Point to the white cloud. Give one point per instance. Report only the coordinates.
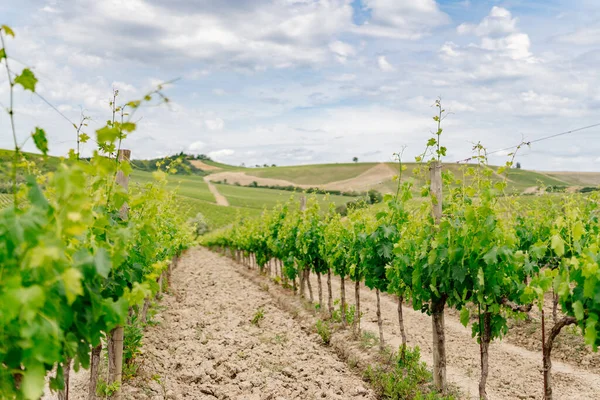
(498, 22)
(216, 124)
(384, 65)
(342, 50)
(219, 154)
(402, 19)
(589, 36)
(219, 92)
(197, 146)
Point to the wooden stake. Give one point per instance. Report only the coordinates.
(115, 340)
(438, 305)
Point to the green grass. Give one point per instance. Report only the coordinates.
(317, 174)
(259, 198)
(217, 216)
(521, 178)
(224, 167)
(192, 186)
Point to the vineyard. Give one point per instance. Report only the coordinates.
(97, 271)
(81, 256)
(470, 248)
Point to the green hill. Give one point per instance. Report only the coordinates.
(195, 195)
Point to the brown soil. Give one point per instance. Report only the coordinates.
(205, 346)
(219, 198)
(372, 177)
(515, 372)
(204, 167)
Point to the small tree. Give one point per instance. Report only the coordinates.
(355, 159)
(518, 165)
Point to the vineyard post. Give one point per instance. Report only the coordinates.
(437, 305)
(115, 342)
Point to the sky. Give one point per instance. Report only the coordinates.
(314, 81)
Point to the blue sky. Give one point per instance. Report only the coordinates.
(310, 81)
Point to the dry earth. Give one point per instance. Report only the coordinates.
(219, 198)
(205, 346)
(371, 177)
(203, 166)
(515, 372)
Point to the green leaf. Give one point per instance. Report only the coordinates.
(102, 261)
(491, 256)
(27, 79)
(72, 281)
(481, 277)
(107, 134)
(33, 382)
(2, 54)
(35, 194)
(83, 137)
(578, 309)
(464, 316)
(40, 140)
(558, 245)
(7, 30)
(578, 230)
(128, 127)
(125, 167)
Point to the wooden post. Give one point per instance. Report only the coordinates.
(438, 305)
(115, 341)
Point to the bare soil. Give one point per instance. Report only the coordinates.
(219, 198)
(203, 166)
(372, 177)
(515, 372)
(206, 347)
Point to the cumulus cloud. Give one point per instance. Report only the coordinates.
(298, 80)
(342, 50)
(384, 64)
(400, 19)
(221, 154)
(498, 22)
(197, 146)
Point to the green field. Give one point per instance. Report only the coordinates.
(194, 195)
(259, 198)
(312, 174)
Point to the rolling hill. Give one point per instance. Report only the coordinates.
(238, 184)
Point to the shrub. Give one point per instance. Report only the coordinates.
(199, 224)
(324, 331)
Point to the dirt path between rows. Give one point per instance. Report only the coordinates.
(515, 373)
(219, 198)
(206, 347)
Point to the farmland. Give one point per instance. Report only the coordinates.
(184, 277)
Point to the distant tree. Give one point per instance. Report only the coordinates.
(355, 159)
(266, 165)
(273, 165)
(518, 165)
(242, 164)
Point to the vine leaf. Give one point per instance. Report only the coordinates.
(33, 382)
(558, 245)
(107, 134)
(7, 30)
(464, 316)
(27, 79)
(72, 281)
(2, 54)
(40, 140)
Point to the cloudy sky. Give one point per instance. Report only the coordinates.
(307, 81)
